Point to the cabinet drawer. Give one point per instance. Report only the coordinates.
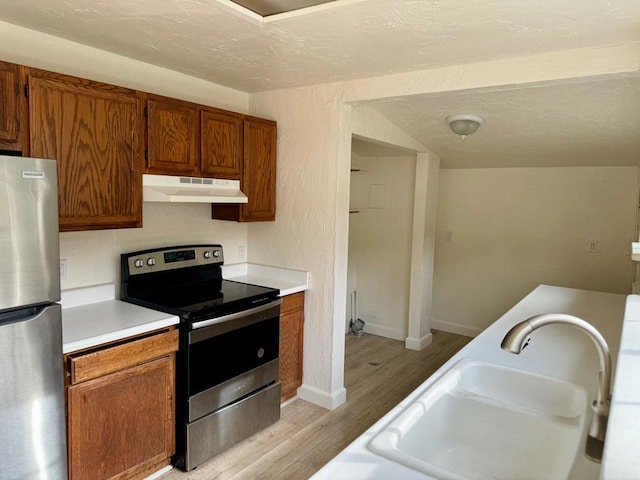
(88, 365)
(292, 302)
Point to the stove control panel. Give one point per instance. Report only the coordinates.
(163, 259)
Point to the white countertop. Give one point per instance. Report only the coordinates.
(91, 316)
(621, 457)
(286, 280)
(556, 350)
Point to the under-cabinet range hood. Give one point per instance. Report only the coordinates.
(165, 188)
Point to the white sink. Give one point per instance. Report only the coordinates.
(485, 421)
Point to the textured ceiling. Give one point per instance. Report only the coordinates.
(590, 123)
(338, 41)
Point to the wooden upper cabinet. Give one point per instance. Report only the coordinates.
(92, 130)
(220, 143)
(192, 140)
(259, 173)
(171, 136)
(9, 107)
(258, 181)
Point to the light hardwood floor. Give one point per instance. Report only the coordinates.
(379, 373)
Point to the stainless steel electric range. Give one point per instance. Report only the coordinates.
(227, 364)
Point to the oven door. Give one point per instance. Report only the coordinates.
(230, 357)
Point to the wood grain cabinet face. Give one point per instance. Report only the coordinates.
(121, 404)
(9, 107)
(171, 137)
(258, 181)
(121, 423)
(220, 143)
(291, 340)
(92, 130)
(259, 177)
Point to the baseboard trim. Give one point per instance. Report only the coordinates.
(456, 328)
(159, 473)
(288, 401)
(383, 331)
(330, 401)
(418, 343)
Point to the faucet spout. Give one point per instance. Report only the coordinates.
(518, 337)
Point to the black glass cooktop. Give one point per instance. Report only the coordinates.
(205, 299)
(186, 280)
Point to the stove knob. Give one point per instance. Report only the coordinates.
(151, 261)
(207, 254)
(216, 253)
(138, 263)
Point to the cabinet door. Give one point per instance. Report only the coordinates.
(92, 130)
(122, 425)
(291, 340)
(259, 170)
(220, 143)
(9, 107)
(171, 137)
(258, 179)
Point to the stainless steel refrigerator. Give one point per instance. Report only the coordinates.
(32, 413)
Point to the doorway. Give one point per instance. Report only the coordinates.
(380, 238)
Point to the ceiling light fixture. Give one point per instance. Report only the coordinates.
(464, 124)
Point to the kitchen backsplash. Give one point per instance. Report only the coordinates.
(94, 257)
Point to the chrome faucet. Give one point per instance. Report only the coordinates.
(518, 337)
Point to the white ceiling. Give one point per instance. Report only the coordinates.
(590, 123)
(338, 41)
(347, 39)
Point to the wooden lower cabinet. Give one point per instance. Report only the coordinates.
(121, 424)
(291, 340)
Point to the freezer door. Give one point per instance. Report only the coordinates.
(32, 418)
(29, 247)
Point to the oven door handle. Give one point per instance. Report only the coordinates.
(235, 316)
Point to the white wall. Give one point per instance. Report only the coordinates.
(515, 228)
(380, 237)
(310, 233)
(304, 234)
(315, 125)
(423, 250)
(93, 257)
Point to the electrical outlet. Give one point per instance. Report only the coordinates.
(242, 253)
(448, 236)
(63, 269)
(592, 246)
